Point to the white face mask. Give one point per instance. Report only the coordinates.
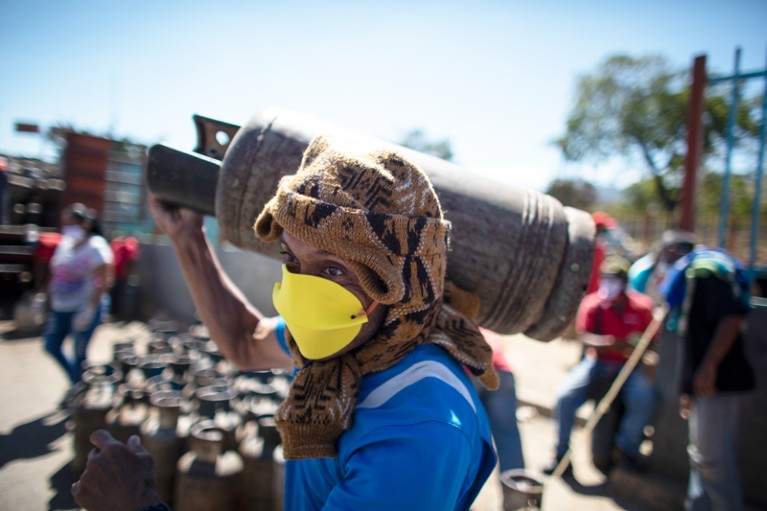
(610, 288)
(74, 231)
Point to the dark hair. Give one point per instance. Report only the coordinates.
(96, 226)
(681, 239)
(82, 213)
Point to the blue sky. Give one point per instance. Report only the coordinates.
(495, 78)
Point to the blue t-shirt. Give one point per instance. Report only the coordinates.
(420, 440)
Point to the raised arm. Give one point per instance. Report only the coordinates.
(242, 333)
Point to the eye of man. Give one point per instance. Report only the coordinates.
(334, 271)
(287, 257)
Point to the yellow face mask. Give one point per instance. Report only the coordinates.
(323, 317)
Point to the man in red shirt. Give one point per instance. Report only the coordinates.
(610, 321)
(126, 251)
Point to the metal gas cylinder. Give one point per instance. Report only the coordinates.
(278, 488)
(122, 347)
(202, 377)
(158, 346)
(160, 438)
(140, 369)
(127, 361)
(91, 409)
(150, 366)
(526, 256)
(257, 451)
(128, 413)
(216, 404)
(207, 477)
(522, 491)
(180, 366)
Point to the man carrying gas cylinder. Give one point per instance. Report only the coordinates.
(381, 413)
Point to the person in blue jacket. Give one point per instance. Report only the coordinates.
(381, 412)
(647, 272)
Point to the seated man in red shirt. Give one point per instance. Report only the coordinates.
(610, 321)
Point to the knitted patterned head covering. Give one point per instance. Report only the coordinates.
(380, 214)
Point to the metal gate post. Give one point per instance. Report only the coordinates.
(694, 142)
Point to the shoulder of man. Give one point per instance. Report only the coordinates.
(427, 375)
(590, 301)
(721, 266)
(640, 301)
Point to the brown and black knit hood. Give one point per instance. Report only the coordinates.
(379, 213)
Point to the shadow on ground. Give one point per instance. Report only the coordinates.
(38, 438)
(32, 439)
(61, 483)
(18, 335)
(602, 490)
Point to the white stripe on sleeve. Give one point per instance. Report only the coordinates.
(414, 374)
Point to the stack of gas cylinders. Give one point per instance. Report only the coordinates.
(209, 427)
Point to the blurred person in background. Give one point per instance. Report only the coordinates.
(501, 407)
(610, 322)
(708, 295)
(603, 223)
(78, 291)
(126, 251)
(647, 272)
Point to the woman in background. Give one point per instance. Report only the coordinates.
(80, 279)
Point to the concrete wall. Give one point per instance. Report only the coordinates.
(163, 292)
(669, 457)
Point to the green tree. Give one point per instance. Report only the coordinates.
(576, 193)
(740, 199)
(416, 139)
(636, 109)
(640, 197)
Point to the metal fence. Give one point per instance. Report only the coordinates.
(642, 232)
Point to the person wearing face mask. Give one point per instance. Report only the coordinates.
(609, 321)
(646, 273)
(80, 278)
(381, 412)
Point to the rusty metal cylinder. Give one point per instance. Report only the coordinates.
(127, 415)
(216, 404)
(122, 347)
(522, 491)
(526, 256)
(91, 410)
(207, 477)
(160, 438)
(257, 451)
(279, 479)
